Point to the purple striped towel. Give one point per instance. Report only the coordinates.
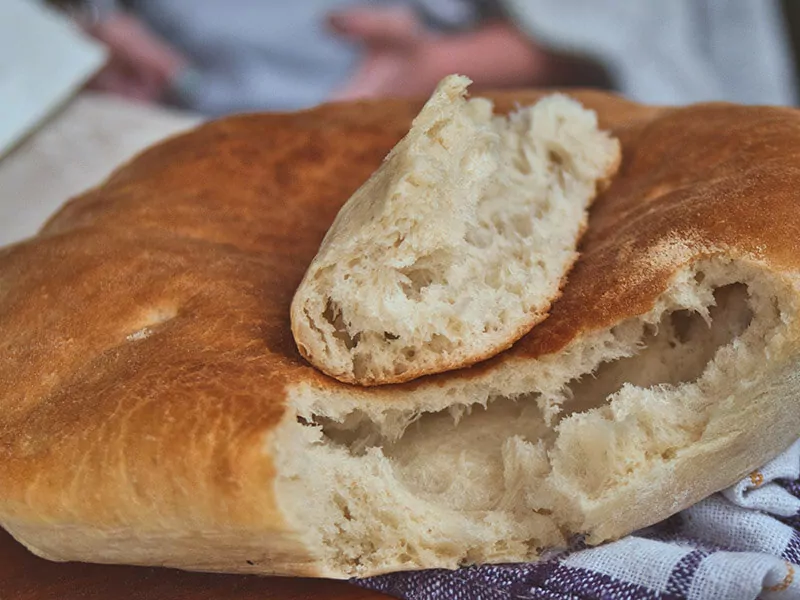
(742, 543)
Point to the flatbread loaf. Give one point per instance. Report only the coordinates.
(458, 244)
(154, 408)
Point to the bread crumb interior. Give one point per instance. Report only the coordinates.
(508, 467)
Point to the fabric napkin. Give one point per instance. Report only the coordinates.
(742, 543)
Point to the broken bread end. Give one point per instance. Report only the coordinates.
(458, 244)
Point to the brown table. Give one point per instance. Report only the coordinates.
(24, 576)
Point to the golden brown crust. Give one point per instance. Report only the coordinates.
(112, 429)
(705, 179)
(92, 413)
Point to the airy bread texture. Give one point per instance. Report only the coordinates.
(154, 409)
(585, 442)
(457, 245)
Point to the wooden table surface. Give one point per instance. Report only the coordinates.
(24, 576)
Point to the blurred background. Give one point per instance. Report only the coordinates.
(86, 83)
(222, 56)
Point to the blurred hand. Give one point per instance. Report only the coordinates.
(402, 58)
(398, 57)
(140, 66)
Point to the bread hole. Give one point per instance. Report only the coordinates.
(499, 225)
(333, 315)
(555, 157)
(399, 368)
(440, 344)
(523, 225)
(480, 237)
(676, 351)
(515, 288)
(341, 503)
(360, 366)
(466, 473)
(357, 432)
(390, 336)
(313, 326)
(434, 133)
(493, 277)
(683, 323)
(418, 280)
(409, 353)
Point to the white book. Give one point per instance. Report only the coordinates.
(44, 60)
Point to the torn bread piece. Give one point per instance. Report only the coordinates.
(458, 244)
(624, 423)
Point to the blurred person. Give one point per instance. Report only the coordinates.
(659, 52)
(238, 55)
(407, 50)
(223, 56)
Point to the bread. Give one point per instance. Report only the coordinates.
(154, 409)
(458, 243)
